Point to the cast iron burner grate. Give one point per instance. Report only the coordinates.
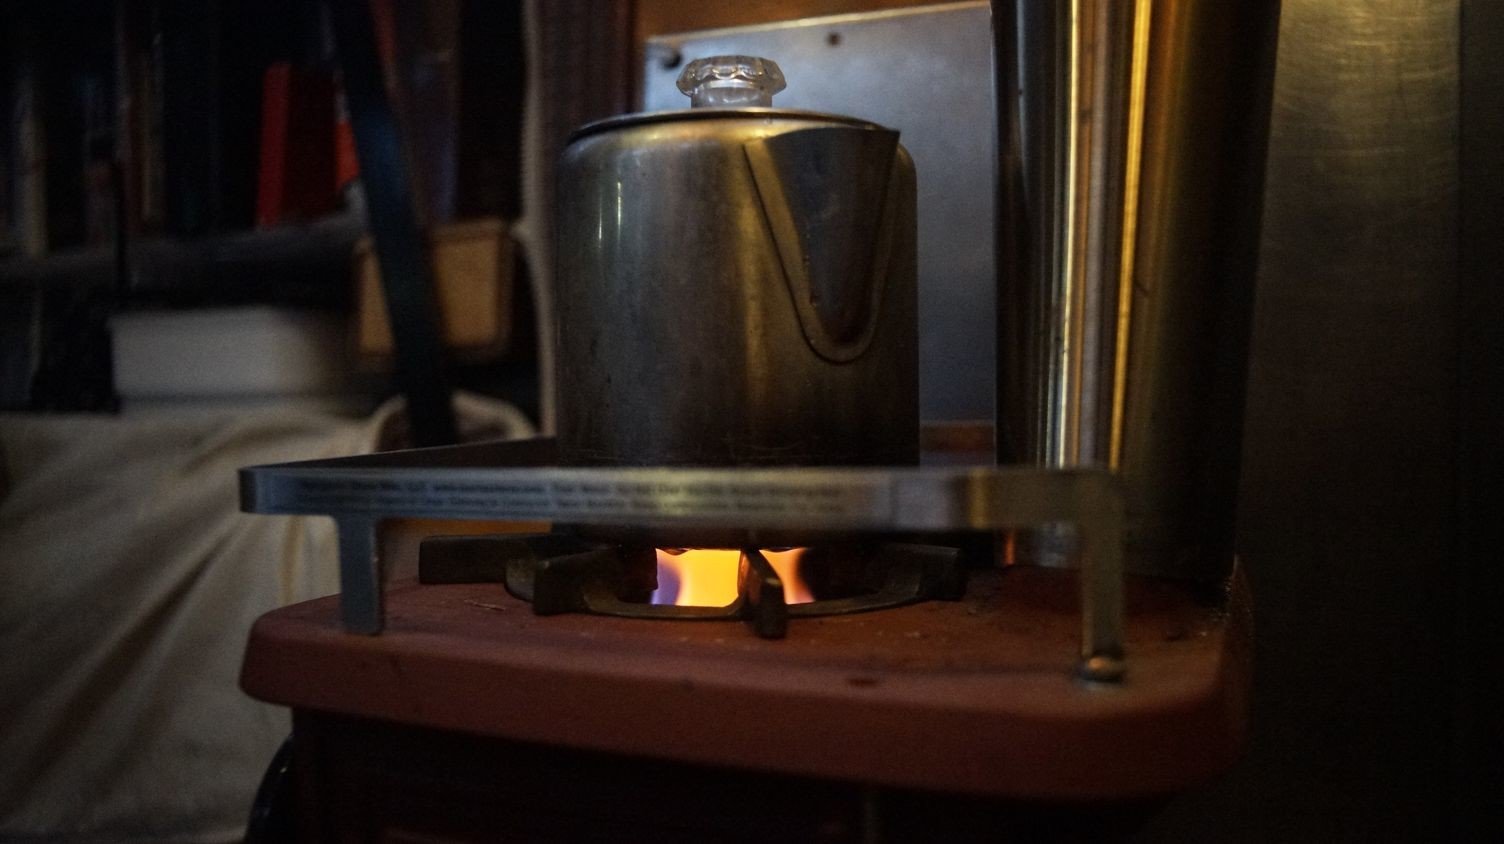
(559, 573)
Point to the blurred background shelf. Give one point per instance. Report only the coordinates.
(163, 155)
(300, 264)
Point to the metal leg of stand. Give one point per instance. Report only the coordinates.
(1092, 500)
(360, 598)
(1102, 586)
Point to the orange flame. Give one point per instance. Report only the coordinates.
(786, 563)
(707, 577)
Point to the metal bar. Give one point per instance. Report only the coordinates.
(405, 272)
(926, 499)
(360, 598)
(762, 596)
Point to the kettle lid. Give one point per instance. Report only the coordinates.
(731, 82)
(721, 87)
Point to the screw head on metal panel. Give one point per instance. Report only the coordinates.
(731, 82)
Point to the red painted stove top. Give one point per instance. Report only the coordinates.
(975, 696)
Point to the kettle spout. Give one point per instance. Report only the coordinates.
(825, 194)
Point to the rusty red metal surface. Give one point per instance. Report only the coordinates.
(975, 696)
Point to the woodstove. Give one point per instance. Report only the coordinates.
(526, 686)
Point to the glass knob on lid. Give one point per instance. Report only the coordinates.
(731, 82)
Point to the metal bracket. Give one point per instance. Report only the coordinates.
(504, 482)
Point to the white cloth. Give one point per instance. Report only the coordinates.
(128, 582)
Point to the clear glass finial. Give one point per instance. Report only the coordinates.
(731, 82)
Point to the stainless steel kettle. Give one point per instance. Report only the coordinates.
(736, 284)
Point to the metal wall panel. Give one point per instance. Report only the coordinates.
(1478, 731)
(1348, 516)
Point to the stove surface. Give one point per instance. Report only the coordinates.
(976, 696)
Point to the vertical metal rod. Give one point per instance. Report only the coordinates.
(1102, 583)
(360, 598)
(400, 252)
(1130, 135)
(1138, 73)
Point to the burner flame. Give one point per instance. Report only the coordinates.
(707, 577)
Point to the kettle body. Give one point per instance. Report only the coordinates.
(736, 287)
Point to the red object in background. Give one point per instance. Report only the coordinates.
(297, 179)
(346, 165)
